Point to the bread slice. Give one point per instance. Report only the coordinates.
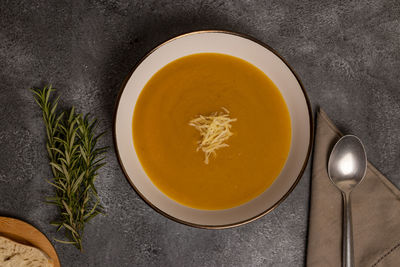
(13, 254)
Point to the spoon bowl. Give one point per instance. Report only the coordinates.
(347, 163)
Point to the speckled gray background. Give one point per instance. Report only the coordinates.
(347, 53)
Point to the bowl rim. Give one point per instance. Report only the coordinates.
(225, 226)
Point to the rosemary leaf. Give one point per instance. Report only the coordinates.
(74, 160)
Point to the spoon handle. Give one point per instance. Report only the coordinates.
(347, 253)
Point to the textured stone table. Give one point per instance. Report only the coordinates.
(346, 54)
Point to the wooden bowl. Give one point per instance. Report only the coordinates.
(26, 234)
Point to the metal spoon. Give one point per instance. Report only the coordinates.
(346, 169)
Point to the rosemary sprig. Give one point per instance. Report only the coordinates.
(74, 160)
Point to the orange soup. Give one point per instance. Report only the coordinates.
(167, 146)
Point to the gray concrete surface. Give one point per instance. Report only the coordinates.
(347, 53)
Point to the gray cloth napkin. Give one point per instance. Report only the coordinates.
(375, 210)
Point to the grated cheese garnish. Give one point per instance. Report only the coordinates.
(214, 130)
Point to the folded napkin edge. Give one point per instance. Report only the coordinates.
(370, 166)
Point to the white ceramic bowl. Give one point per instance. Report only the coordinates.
(266, 60)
